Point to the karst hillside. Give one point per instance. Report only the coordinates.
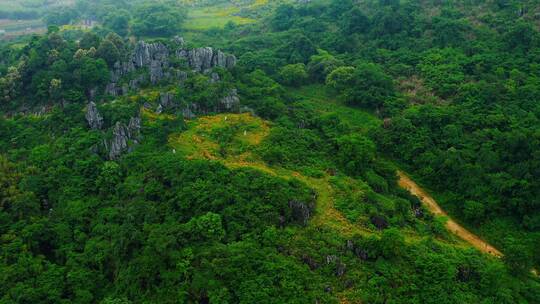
(269, 151)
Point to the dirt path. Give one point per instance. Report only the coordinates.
(407, 183)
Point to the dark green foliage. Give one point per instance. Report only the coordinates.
(293, 74)
(118, 21)
(89, 40)
(365, 85)
(61, 16)
(454, 83)
(355, 153)
(108, 52)
(157, 19)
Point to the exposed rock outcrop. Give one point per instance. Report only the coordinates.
(230, 103)
(306, 259)
(113, 89)
(189, 112)
(166, 100)
(301, 212)
(340, 267)
(93, 117)
(214, 77)
(123, 138)
(358, 251)
(155, 57)
(206, 58)
(120, 69)
(380, 222)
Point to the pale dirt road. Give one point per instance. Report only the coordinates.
(408, 184)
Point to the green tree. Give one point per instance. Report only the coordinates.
(282, 19)
(89, 40)
(293, 74)
(392, 243)
(321, 65)
(118, 22)
(109, 178)
(92, 73)
(517, 257)
(207, 227)
(341, 78)
(61, 16)
(355, 153)
(473, 211)
(371, 87)
(158, 19)
(355, 21)
(108, 52)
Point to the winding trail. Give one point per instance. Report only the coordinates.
(407, 183)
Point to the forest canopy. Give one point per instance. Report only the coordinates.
(254, 152)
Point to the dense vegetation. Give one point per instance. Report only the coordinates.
(294, 200)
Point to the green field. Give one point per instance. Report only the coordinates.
(322, 99)
(217, 16)
(212, 17)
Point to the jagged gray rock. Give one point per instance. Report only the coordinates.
(120, 69)
(112, 89)
(155, 57)
(93, 93)
(206, 58)
(134, 84)
(93, 117)
(124, 137)
(189, 111)
(179, 40)
(301, 212)
(181, 76)
(231, 102)
(200, 59)
(166, 99)
(214, 77)
(134, 128)
(146, 53)
(357, 250)
(340, 267)
(380, 222)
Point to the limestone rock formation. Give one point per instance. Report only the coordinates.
(124, 137)
(230, 103)
(358, 251)
(93, 117)
(156, 57)
(340, 267)
(206, 58)
(301, 212)
(166, 99)
(146, 53)
(380, 222)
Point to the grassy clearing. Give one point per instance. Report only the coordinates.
(200, 142)
(231, 136)
(232, 139)
(152, 116)
(205, 18)
(217, 16)
(325, 101)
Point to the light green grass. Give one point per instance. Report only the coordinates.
(217, 16)
(205, 18)
(325, 101)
